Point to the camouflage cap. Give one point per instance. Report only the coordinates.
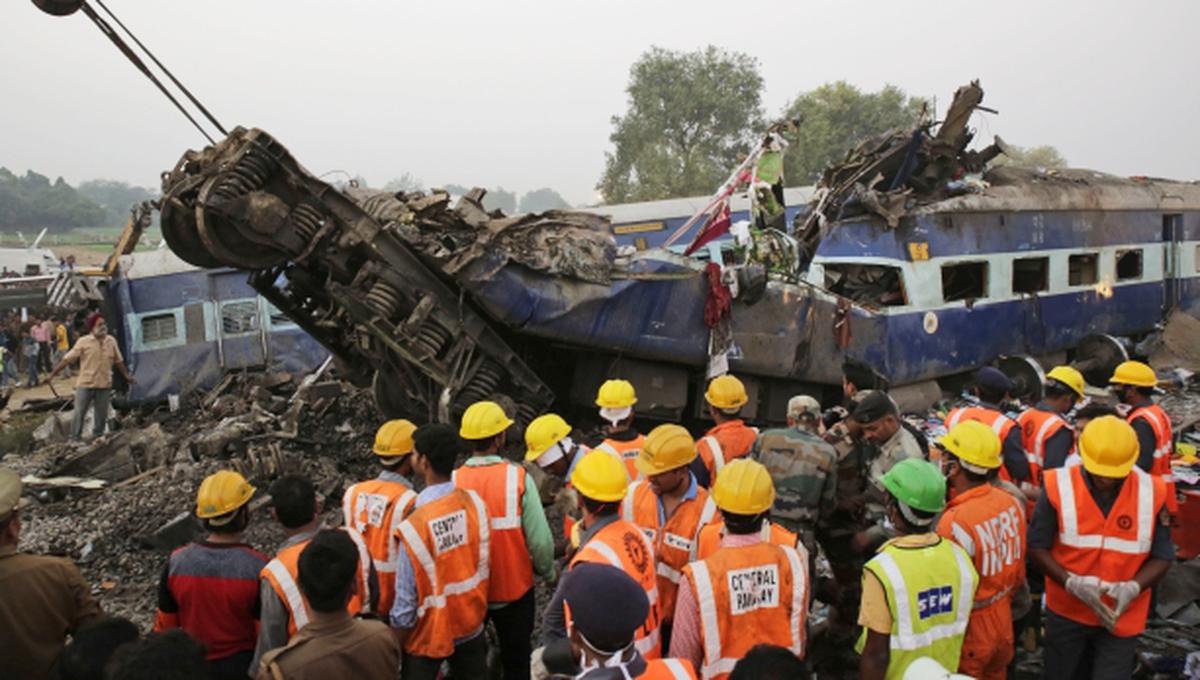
(803, 405)
(10, 493)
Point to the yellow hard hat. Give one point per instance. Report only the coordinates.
(394, 439)
(544, 432)
(973, 443)
(616, 394)
(1134, 373)
(726, 393)
(1069, 377)
(744, 487)
(483, 419)
(1108, 447)
(600, 476)
(221, 493)
(667, 447)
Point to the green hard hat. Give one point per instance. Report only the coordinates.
(918, 484)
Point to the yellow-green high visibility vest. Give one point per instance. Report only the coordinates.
(930, 591)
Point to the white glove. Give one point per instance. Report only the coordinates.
(1123, 592)
(1087, 589)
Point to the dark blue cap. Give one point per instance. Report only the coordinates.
(607, 605)
(993, 380)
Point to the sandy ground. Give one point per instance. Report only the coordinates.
(64, 386)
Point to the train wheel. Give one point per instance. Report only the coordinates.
(1026, 374)
(1097, 357)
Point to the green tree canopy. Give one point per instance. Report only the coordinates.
(116, 197)
(499, 199)
(1044, 156)
(33, 202)
(540, 200)
(838, 117)
(691, 115)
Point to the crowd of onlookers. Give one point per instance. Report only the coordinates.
(30, 347)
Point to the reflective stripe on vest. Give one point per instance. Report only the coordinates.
(437, 598)
(676, 668)
(608, 448)
(353, 507)
(905, 637)
(1000, 423)
(1162, 439)
(718, 455)
(715, 663)
(511, 519)
(289, 590)
(648, 644)
(406, 501)
(291, 593)
(1069, 516)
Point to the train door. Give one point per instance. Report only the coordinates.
(241, 331)
(1172, 233)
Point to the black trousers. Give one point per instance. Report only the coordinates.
(1074, 651)
(231, 667)
(469, 661)
(514, 627)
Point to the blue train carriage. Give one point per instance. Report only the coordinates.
(1035, 266)
(182, 327)
(649, 224)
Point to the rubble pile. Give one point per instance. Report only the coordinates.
(119, 504)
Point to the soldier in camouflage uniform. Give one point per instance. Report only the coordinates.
(804, 469)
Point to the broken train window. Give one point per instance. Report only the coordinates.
(1129, 264)
(1030, 275)
(867, 284)
(239, 317)
(964, 281)
(159, 328)
(1083, 269)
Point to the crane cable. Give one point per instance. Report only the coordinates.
(133, 58)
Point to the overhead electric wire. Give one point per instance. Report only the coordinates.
(141, 66)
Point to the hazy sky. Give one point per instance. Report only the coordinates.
(520, 94)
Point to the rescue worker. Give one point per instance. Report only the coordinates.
(670, 507)
(879, 418)
(918, 590)
(1134, 382)
(804, 468)
(42, 599)
(520, 542)
(333, 644)
(375, 508)
(616, 399)
(990, 525)
(1102, 538)
(549, 446)
(601, 483)
(210, 588)
(607, 607)
(730, 438)
(442, 574)
(1045, 432)
(296, 507)
(991, 389)
(749, 591)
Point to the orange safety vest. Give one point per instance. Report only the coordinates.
(1164, 448)
(283, 575)
(668, 669)
(989, 524)
(624, 546)
(1002, 425)
(674, 543)
(627, 452)
(749, 595)
(724, 444)
(711, 535)
(502, 486)
(1037, 426)
(447, 543)
(375, 508)
(1111, 548)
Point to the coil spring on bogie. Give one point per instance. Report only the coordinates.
(249, 173)
(307, 222)
(384, 298)
(525, 414)
(482, 385)
(431, 338)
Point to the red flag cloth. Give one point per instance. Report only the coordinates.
(716, 225)
(719, 302)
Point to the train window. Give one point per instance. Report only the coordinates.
(1082, 269)
(867, 284)
(1030, 275)
(239, 317)
(1129, 264)
(159, 327)
(964, 281)
(1197, 258)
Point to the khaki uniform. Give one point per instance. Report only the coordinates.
(339, 647)
(42, 600)
(804, 469)
(902, 445)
